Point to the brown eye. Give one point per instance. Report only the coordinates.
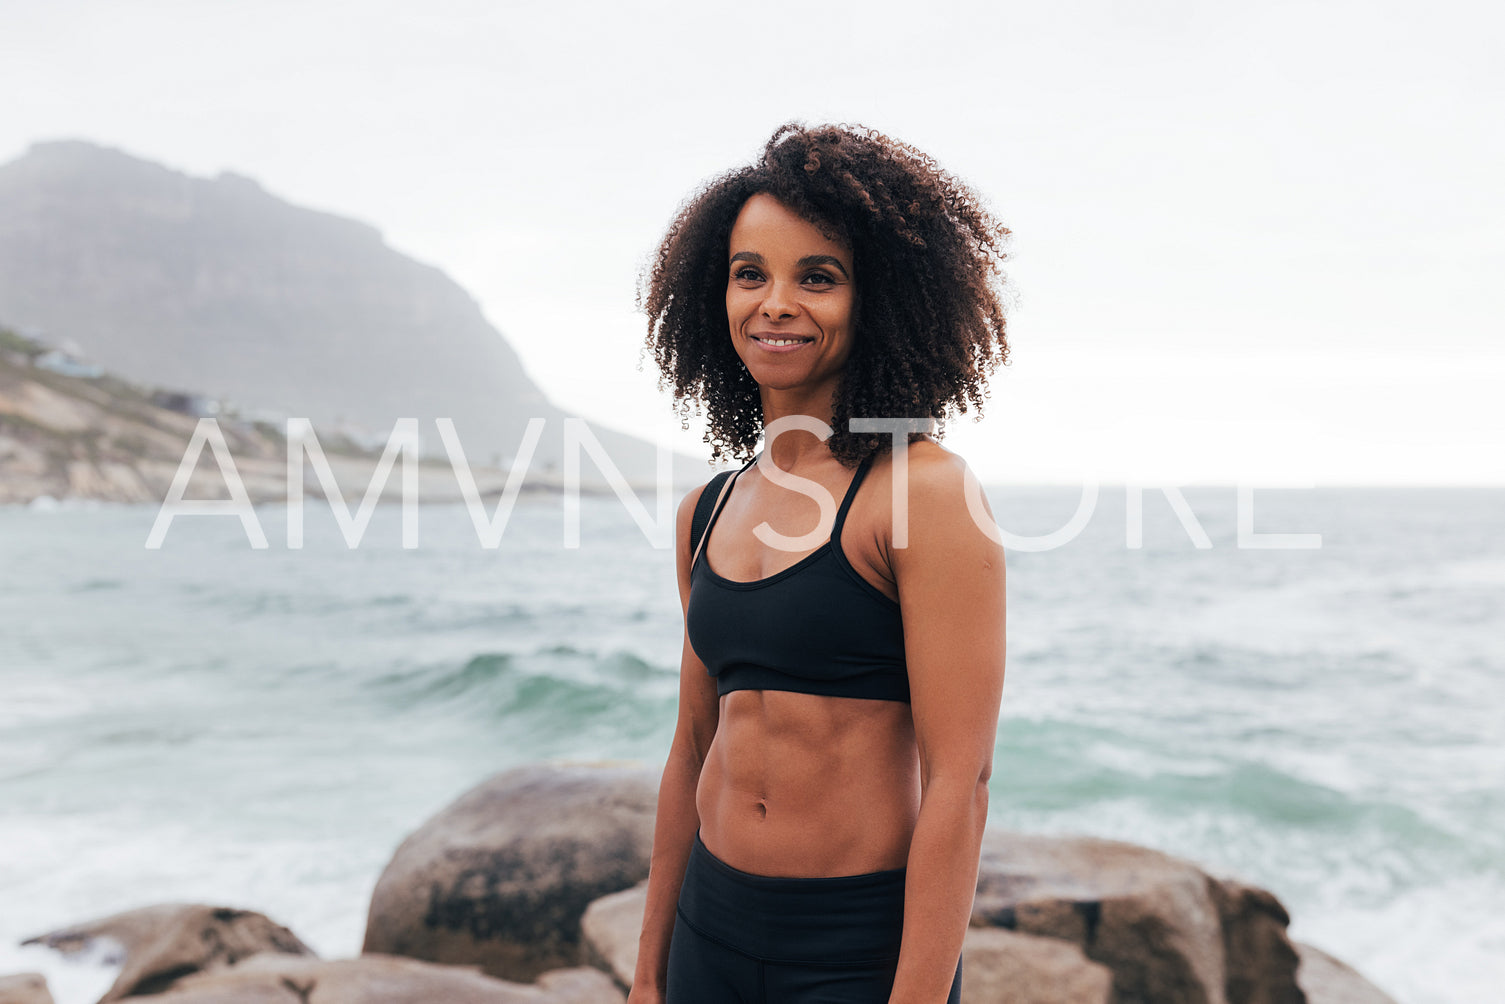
(747, 274)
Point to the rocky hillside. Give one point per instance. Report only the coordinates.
(218, 286)
(101, 437)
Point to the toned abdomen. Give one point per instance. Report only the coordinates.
(805, 785)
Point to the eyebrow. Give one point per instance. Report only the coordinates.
(805, 262)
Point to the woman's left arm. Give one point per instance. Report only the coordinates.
(951, 593)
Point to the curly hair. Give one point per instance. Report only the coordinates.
(926, 257)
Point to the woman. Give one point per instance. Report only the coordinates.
(822, 808)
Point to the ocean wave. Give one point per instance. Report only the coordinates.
(561, 681)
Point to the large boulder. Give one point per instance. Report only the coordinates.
(379, 979)
(1170, 933)
(159, 945)
(580, 985)
(501, 877)
(1005, 967)
(24, 988)
(1259, 959)
(1327, 980)
(611, 928)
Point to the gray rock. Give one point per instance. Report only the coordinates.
(501, 877)
(1158, 922)
(611, 928)
(1259, 959)
(580, 985)
(1005, 967)
(163, 944)
(24, 988)
(1327, 980)
(377, 979)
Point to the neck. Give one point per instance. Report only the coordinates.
(794, 447)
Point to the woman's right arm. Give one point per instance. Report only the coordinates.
(678, 818)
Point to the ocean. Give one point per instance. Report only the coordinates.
(260, 728)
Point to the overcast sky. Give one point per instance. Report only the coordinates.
(1254, 243)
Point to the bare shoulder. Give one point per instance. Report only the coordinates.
(937, 480)
(933, 468)
(945, 510)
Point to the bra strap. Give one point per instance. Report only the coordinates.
(701, 522)
(709, 497)
(846, 503)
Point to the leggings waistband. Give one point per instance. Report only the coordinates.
(844, 919)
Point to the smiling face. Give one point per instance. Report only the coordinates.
(790, 298)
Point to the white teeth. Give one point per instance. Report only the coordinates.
(781, 341)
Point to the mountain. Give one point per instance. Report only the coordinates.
(217, 287)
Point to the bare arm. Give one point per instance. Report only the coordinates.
(952, 595)
(678, 818)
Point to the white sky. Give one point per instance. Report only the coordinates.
(1253, 242)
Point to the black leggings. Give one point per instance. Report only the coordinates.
(755, 939)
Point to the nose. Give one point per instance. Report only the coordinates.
(777, 303)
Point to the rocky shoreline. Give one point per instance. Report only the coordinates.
(529, 889)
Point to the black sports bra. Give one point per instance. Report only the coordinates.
(817, 627)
